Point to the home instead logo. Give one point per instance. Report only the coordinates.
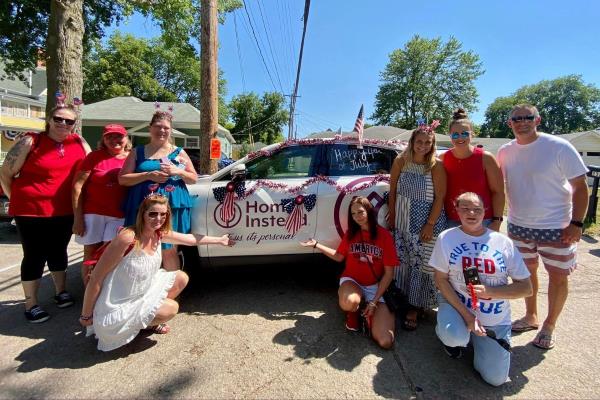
(375, 198)
(258, 215)
(237, 216)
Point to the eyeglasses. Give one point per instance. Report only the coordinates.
(468, 210)
(463, 135)
(64, 121)
(525, 118)
(154, 214)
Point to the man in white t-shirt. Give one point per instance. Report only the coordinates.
(473, 312)
(548, 197)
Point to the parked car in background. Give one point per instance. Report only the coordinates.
(317, 176)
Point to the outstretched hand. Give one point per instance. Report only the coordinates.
(308, 243)
(225, 240)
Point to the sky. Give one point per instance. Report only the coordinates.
(348, 43)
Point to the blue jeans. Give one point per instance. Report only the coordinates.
(490, 360)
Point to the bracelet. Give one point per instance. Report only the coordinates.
(498, 219)
(315, 245)
(372, 304)
(578, 224)
(86, 318)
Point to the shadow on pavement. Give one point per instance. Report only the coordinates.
(61, 341)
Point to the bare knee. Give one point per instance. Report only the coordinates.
(350, 303)
(182, 279)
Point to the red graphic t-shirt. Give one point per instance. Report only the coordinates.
(102, 193)
(360, 250)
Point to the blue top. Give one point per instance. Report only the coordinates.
(174, 188)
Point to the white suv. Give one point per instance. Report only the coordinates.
(258, 211)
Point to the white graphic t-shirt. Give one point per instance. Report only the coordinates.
(496, 259)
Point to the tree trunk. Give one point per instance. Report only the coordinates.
(209, 84)
(64, 51)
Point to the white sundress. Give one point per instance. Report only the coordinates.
(129, 299)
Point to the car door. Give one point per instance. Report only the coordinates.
(259, 220)
(352, 168)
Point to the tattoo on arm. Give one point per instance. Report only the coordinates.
(16, 152)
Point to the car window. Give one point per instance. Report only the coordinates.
(289, 162)
(347, 159)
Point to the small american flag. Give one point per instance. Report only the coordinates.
(359, 126)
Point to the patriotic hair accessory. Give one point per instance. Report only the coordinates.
(423, 127)
(153, 187)
(169, 110)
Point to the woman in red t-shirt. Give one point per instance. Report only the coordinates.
(36, 176)
(471, 169)
(98, 198)
(370, 256)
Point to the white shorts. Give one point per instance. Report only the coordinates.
(368, 291)
(99, 228)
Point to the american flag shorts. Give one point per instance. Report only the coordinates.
(557, 256)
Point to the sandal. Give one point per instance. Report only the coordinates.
(410, 324)
(160, 329)
(520, 325)
(544, 340)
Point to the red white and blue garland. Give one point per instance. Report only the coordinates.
(225, 195)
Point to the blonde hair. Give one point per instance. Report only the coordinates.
(408, 153)
(468, 196)
(148, 202)
(102, 146)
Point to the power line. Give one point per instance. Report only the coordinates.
(239, 51)
(258, 46)
(254, 126)
(267, 34)
(295, 93)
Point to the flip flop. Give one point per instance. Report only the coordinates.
(160, 329)
(410, 324)
(521, 325)
(544, 340)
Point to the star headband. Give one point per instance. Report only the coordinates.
(423, 127)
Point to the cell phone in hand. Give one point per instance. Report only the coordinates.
(471, 275)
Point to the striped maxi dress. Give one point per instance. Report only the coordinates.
(414, 199)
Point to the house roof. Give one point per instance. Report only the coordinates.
(131, 111)
(571, 136)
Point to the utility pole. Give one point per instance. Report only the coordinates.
(294, 95)
(209, 84)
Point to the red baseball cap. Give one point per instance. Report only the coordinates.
(114, 128)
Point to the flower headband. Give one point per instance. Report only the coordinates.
(423, 127)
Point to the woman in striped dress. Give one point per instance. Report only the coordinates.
(416, 204)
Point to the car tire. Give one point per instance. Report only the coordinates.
(190, 261)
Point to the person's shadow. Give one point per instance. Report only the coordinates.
(61, 341)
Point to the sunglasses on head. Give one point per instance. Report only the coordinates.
(463, 135)
(154, 214)
(65, 121)
(525, 118)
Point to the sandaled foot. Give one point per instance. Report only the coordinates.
(522, 325)
(410, 321)
(544, 340)
(160, 329)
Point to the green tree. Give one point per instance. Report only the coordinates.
(263, 118)
(566, 104)
(427, 78)
(147, 69)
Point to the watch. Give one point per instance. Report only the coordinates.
(498, 219)
(578, 224)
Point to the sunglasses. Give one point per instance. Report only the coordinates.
(65, 121)
(525, 118)
(463, 135)
(154, 214)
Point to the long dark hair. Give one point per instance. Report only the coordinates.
(353, 227)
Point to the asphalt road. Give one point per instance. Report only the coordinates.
(276, 332)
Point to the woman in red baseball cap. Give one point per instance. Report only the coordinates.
(97, 196)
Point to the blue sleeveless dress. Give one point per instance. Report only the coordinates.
(174, 189)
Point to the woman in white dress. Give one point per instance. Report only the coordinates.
(128, 291)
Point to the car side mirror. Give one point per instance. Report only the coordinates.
(238, 173)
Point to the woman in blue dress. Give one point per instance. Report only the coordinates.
(163, 168)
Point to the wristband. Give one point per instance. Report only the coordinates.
(498, 219)
(315, 245)
(85, 318)
(578, 224)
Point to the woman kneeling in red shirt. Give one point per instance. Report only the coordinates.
(370, 256)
